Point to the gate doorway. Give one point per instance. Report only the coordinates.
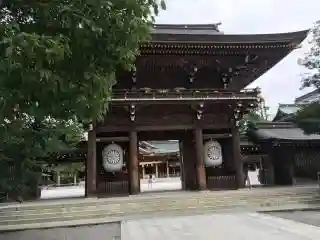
(160, 166)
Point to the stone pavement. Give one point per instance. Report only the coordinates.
(110, 231)
(305, 216)
(219, 226)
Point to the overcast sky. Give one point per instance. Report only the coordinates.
(280, 84)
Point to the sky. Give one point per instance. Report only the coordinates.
(282, 83)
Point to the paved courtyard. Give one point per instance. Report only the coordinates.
(109, 231)
(308, 217)
(229, 226)
(219, 226)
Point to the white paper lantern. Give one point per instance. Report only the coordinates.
(112, 158)
(212, 154)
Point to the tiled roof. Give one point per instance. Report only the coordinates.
(289, 108)
(281, 131)
(172, 146)
(210, 33)
(286, 111)
(301, 98)
(189, 29)
(159, 147)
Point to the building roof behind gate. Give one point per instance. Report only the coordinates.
(286, 131)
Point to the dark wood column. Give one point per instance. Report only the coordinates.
(237, 156)
(182, 167)
(189, 161)
(201, 173)
(283, 162)
(134, 181)
(91, 166)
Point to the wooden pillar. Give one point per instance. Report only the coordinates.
(182, 165)
(75, 181)
(157, 170)
(201, 174)
(143, 172)
(283, 162)
(91, 166)
(134, 181)
(267, 171)
(237, 156)
(58, 178)
(188, 159)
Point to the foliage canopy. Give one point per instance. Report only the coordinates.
(58, 62)
(59, 58)
(308, 118)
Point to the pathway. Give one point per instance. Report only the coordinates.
(231, 226)
(219, 226)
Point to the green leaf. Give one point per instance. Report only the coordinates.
(163, 5)
(308, 118)
(58, 64)
(312, 60)
(8, 51)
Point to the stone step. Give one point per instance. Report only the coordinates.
(97, 202)
(104, 220)
(148, 205)
(144, 213)
(156, 204)
(124, 208)
(242, 192)
(151, 199)
(163, 204)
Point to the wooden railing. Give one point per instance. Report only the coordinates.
(221, 182)
(182, 94)
(117, 187)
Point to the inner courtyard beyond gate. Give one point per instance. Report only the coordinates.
(204, 157)
(188, 85)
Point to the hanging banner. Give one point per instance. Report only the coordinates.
(112, 158)
(212, 153)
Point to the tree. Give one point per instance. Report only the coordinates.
(59, 58)
(58, 62)
(308, 118)
(255, 115)
(69, 171)
(26, 149)
(312, 60)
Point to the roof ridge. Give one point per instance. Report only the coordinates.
(275, 125)
(213, 26)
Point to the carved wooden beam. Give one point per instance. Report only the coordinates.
(132, 111)
(134, 77)
(193, 73)
(200, 111)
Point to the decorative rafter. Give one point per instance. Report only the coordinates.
(132, 112)
(134, 76)
(200, 111)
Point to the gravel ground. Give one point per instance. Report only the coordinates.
(111, 231)
(308, 217)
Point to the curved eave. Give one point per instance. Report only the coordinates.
(291, 37)
(279, 116)
(286, 112)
